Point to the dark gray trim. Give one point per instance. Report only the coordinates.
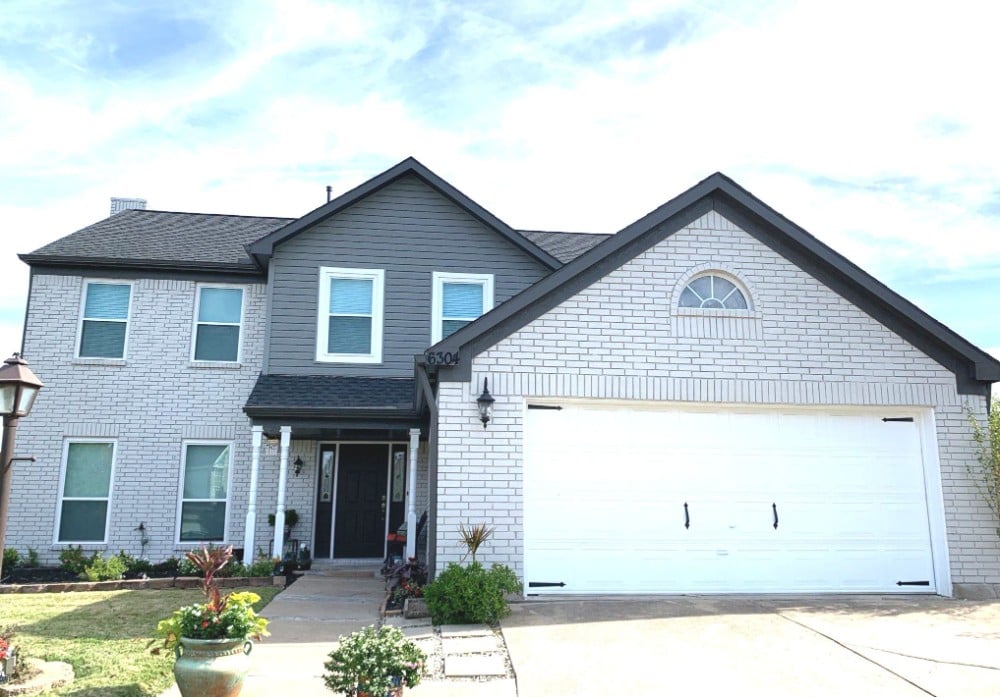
(424, 387)
(118, 268)
(347, 414)
(262, 249)
(27, 308)
(974, 369)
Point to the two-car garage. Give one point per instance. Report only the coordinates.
(643, 498)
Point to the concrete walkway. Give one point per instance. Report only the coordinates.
(308, 617)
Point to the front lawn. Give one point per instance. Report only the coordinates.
(103, 635)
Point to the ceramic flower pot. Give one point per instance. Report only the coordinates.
(212, 667)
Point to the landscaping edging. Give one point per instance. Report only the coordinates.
(141, 584)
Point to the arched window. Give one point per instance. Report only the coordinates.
(711, 292)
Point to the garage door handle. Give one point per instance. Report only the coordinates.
(687, 518)
(774, 509)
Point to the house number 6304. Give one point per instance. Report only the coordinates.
(441, 358)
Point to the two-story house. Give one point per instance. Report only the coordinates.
(710, 400)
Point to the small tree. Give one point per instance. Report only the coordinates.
(987, 440)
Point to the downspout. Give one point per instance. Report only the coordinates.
(432, 469)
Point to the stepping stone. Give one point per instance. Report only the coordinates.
(451, 630)
(403, 622)
(418, 632)
(474, 666)
(470, 644)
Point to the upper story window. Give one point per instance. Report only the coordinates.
(349, 325)
(88, 468)
(713, 292)
(204, 492)
(458, 298)
(104, 319)
(218, 316)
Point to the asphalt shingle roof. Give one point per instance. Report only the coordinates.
(564, 246)
(162, 238)
(331, 392)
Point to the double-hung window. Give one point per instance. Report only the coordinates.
(349, 323)
(204, 492)
(88, 470)
(104, 319)
(218, 316)
(458, 298)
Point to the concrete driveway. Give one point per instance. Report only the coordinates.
(843, 645)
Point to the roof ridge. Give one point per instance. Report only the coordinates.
(227, 215)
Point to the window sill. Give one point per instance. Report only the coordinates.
(364, 360)
(728, 314)
(100, 361)
(223, 365)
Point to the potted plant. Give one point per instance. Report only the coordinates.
(291, 518)
(212, 640)
(8, 654)
(374, 662)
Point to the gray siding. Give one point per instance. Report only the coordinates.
(409, 230)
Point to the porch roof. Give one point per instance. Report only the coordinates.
(331, 395)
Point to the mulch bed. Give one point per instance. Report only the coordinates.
(47, 580)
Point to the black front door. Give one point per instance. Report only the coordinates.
(359, 528)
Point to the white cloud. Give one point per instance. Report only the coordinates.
(870, 124)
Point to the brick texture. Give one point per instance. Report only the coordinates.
(624, 338)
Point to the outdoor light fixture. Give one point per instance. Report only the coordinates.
(485, 404)
(298, 465)
(18, 389)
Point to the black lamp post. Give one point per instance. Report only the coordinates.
(18, 389)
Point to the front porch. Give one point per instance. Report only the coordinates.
(346, 454)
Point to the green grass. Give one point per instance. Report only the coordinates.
(103, 634)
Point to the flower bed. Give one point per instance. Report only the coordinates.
(142, 584)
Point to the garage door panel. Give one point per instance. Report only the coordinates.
(605, 488)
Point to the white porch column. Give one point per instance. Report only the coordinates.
(411, 490)
(257, 433)
(279, 513)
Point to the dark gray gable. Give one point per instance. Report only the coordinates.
(262, 249)
(974, 369)
(144, 239)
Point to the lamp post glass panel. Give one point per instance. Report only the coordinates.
(18, 389)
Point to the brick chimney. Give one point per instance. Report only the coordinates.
(127, 204)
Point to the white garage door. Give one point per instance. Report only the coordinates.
(634, 500)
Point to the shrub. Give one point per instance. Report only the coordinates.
(185, 567)
(73, 560)
(31, 561)
(11, 558)
(987, 439)
(167, 567)
(264, 566)
(101, 569)
(375, 661)
(471, 594)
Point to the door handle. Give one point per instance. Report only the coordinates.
(774, 510)
(383, 504)
(687, 518)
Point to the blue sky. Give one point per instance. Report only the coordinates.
(871, 124)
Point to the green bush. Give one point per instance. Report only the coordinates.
(185, 567)
(101, 569)
(264, 566)
(11, 558)
(73, 560)
(471, 594)
(30, 561)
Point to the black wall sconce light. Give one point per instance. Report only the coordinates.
(298, 465)
(485, 404)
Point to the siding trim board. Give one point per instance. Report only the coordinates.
(262, 249)
(973, 368)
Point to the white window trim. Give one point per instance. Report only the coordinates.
(181, 499)
(62, 488)
(196, 323)
(377, 276)
(127, 320)
(439, 278)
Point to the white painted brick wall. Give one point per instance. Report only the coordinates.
(623, 338)
(150, 402)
